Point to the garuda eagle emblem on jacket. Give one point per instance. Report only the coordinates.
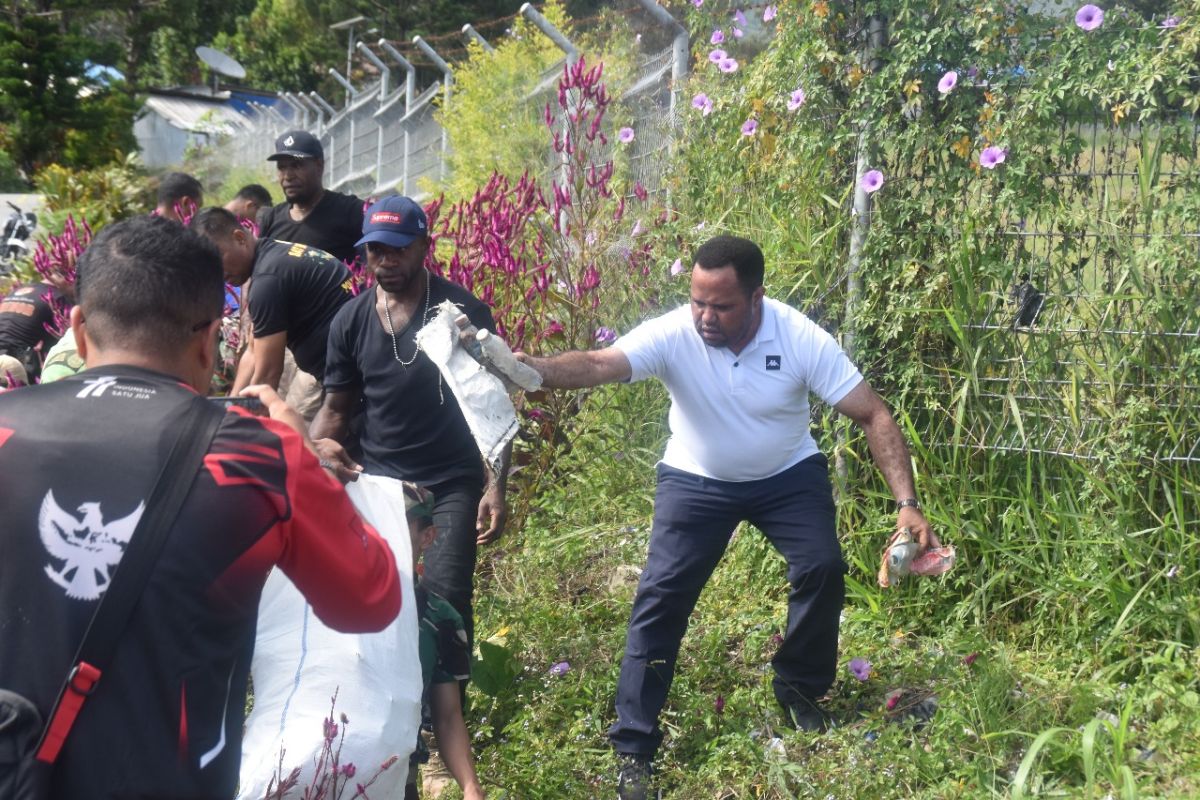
(88, 548)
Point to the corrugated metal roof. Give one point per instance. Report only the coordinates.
(196, 115)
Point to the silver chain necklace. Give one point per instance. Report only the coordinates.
(392, 330)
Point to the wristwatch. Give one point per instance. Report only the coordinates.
(908, 502)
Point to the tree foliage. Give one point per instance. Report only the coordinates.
(50, 110)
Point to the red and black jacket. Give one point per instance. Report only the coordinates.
(77, 459)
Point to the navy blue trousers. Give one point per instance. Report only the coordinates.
(694, 518)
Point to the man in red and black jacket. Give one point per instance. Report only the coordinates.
(78, 459)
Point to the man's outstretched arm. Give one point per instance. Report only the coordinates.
(580, 369)
(890, 453)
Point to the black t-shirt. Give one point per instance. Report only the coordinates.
(333, 226)
(24, 315)
(298, 289)
(78, 458)
(414, 429)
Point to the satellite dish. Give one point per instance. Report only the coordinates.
(220, 62)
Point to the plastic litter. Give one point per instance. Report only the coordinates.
(902, 556)
(299, 664)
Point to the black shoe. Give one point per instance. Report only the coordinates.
(633, 777)
(804, 714)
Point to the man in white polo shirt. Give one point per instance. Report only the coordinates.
(739, 368)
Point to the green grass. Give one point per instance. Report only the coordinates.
(1084, 684)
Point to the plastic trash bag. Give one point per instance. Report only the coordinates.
(299, 664)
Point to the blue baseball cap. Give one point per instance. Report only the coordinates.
(395, 221)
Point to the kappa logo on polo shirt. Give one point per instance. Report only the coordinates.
(774, 362)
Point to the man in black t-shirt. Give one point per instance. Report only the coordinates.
(310, 214)
(296, 292)
(412, 427)
(25, 318)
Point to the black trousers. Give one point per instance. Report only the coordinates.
(694, 518)
(450, 560)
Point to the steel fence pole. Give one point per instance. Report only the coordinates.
(410, 91)
(474, 36)
(385, 74)
(679, 51)
(447, 83)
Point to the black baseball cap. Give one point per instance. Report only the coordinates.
(297, 144)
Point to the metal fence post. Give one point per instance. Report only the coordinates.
(860, 220)
(351, 93)
(447, 82)
(554, 34)
(679, 51)
(385, 74)
(474, 36)
(572, 54)
(410, 91)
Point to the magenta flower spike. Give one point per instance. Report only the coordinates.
(992, 156)
(860, 668)
(948, 82)
(749, 127)
(1089, 17)
(719, 704)
(872, 181)
(796, 100)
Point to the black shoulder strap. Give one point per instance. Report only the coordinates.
(133, 572)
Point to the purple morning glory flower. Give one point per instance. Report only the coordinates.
(702, 102)
(1089, 17)
(737, 33)
(625, 135)
(717, 37)
(727, 65)
(697, 3)
(605, 336)
(749, 127)
(872, 181)
(860, 668)
(1169, 22)
(717, 56)
(739, 18)
(677, 267)
(991, 156)
(769, 13)
(561, 668)
(948, 82)
(796, 100)
(972, 72)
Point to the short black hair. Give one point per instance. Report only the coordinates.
(255, 193)
(147, 283)
(175, 186)
(734, 251)
(215, 222)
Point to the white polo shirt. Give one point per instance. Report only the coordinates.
(740, 417)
